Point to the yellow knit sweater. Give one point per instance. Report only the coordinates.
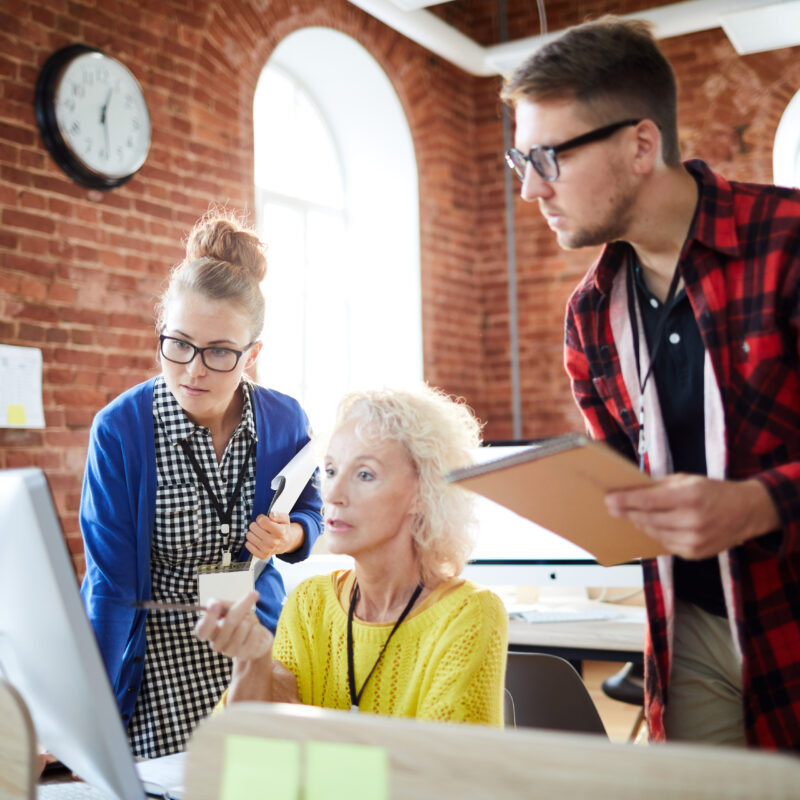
(445, 662)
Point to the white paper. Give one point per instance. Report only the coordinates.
(296, 475)
(21, 387)
(163, 776)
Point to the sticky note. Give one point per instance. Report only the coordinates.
(256, 768)
(336, 771)
(15, 414)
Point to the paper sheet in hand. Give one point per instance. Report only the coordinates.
(288, 485)
(561, 486)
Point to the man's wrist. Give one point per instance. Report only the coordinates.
(763, 514)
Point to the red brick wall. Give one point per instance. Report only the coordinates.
(729, 110)
(80, 269)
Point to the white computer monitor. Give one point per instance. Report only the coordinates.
(513, 551)
(47, 647)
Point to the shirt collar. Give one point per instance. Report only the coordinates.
(714, 224)
(178, 426)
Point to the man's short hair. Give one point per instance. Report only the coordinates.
(613, 67)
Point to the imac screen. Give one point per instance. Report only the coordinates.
(47, 647)
(512, 550)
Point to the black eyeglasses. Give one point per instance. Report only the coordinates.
(217, 359)
(544, 159)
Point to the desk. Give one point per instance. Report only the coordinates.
(594, 640)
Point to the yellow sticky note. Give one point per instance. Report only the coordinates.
(15, 414)
(336, 771)
(256, 768)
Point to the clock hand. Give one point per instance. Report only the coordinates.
(105, 106)
(104, 121)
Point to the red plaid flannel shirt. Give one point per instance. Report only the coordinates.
(741, 267)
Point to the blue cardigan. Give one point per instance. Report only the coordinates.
(117, 516)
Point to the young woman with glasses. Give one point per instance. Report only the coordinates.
(178, 479)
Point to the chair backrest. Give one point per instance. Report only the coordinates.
(451, 761)
(547, 692)
(17, 747)
(508, 710)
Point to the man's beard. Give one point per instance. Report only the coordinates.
(614, 227)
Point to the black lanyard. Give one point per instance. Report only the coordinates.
(225, 514)
(659, 336)
(355, 697)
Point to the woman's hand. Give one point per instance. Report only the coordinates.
(234, 630)
(284, 684)
(270, 535)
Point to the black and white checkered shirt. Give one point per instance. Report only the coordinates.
(183, 677)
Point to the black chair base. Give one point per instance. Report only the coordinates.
(627, 686)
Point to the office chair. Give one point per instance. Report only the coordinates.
(544, 691)
(627, 686)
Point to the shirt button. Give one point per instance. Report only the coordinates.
(674, 338)
(654, 302)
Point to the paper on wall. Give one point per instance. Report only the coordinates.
(21, 387)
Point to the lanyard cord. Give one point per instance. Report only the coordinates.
(659, 338)
(355, 697)
(225, 514)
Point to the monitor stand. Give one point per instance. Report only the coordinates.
(563, 594)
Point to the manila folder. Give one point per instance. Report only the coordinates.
(561, 485)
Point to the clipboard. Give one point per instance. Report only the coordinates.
(561, 485)
(287, 485)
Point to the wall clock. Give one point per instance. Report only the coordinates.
(92, 115)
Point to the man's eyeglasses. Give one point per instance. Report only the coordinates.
(218, 359)
(544, 159)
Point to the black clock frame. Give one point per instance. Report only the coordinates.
(44, 106)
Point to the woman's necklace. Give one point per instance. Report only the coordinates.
(355, 696)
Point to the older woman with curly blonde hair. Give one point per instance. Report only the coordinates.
(401, 634)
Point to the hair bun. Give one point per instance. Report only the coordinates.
(221, 236)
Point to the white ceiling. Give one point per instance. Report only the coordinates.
(751, 25)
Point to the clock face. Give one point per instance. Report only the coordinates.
(102, 116)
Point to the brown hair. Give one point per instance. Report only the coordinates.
(613, 67)
(225, 260)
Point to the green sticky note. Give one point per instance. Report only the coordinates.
(257, 768)
(15, 414)
(336, 771)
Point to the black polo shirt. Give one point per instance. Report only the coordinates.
(678, 375)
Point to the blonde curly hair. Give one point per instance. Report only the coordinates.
(439, 434)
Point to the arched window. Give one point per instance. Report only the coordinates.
(786, 150)
(337, 204)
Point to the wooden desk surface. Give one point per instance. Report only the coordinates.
(597, 640)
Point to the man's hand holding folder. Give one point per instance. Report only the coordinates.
(695, 517)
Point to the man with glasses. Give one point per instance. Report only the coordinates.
(682, 347)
